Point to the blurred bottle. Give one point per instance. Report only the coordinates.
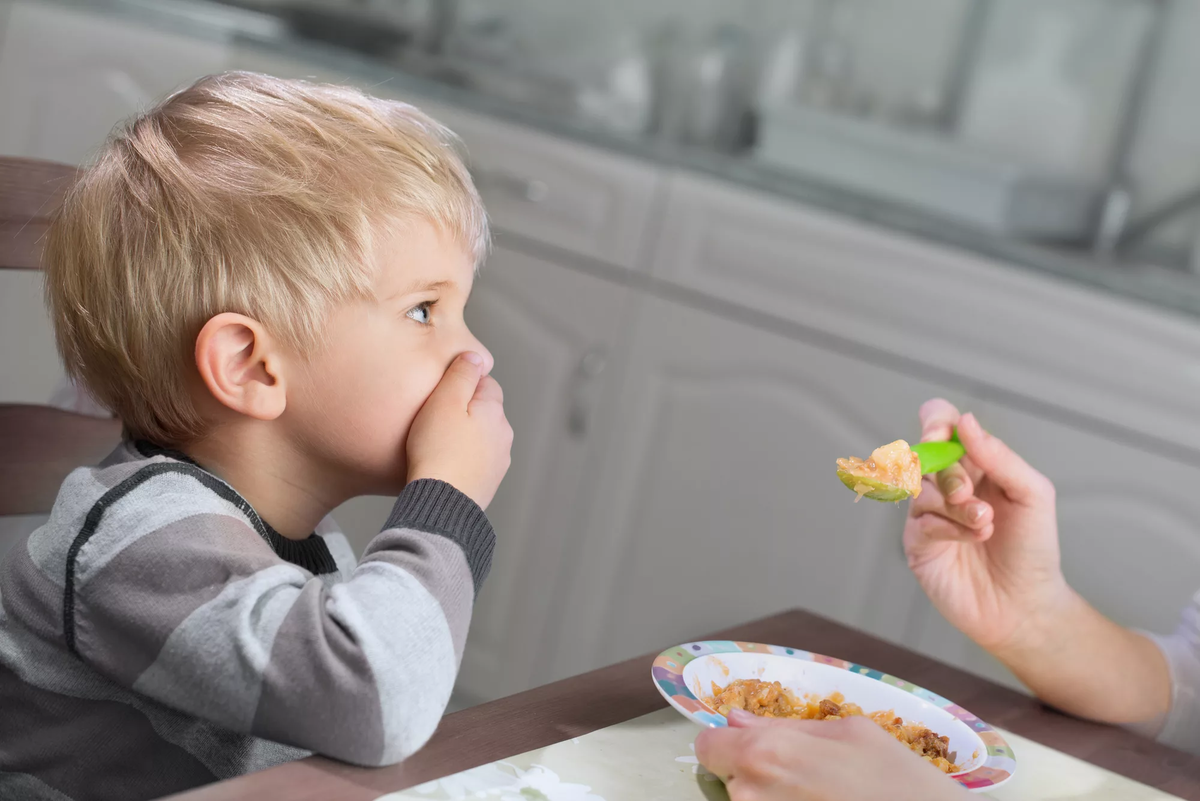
(721, 91)
(783, 71)
(622, 100)
(828, 80)
(705, 84)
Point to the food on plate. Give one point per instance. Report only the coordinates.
(771, 699)
(891, 473)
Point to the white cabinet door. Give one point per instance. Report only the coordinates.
(67, 76)
(1128, 520)
(719, 502)
(1016, 331)
(552, 331)
(1127, 523)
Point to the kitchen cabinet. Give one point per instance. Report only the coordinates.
(683, 359)
(1028, 338)
(68, 76)
(717, 495)
(1127, 522)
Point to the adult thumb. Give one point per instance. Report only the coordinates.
(1008, 471)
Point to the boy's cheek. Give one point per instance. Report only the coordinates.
(383, 458)
(389, 434)
(371, 419)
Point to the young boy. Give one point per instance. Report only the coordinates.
(265, 281)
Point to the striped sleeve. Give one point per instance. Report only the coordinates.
(175, 596)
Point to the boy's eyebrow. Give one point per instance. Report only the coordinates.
(420, 286)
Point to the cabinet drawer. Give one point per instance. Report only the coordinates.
(562, 193)
(1126, 370)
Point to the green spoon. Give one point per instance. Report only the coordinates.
(935, 457)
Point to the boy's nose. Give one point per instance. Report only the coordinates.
(489, 361)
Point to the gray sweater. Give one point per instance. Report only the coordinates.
(156, 634)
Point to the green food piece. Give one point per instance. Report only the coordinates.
(879, 491)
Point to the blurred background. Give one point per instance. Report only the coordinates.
(734, 240)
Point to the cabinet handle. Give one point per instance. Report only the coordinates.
(531, 190)
(583, 391)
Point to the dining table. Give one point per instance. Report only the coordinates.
(577, 706)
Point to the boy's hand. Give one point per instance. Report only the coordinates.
(818, 760)
(461, 436)
(982, 538)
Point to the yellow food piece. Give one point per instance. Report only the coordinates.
(891, 473)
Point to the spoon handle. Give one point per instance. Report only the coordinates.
(937, 456)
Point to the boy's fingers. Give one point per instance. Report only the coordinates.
(460, 381)
(1012, 474)
(938, 418)
(489, 389)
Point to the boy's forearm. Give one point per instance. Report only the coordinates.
(1079, 661)
(207, 620)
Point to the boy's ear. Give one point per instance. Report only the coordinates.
(242, 366)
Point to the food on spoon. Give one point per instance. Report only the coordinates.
(773, 700)
(891, 473)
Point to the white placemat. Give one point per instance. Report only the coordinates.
(652, 757)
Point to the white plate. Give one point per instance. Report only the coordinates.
(685, 674)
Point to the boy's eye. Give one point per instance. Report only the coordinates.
(421, 313)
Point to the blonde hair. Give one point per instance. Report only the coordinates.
(242, 193)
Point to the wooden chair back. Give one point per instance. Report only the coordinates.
(39, 445)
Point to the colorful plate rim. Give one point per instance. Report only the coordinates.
(667, 673)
